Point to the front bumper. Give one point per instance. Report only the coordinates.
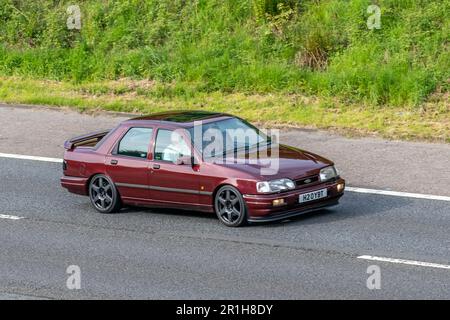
(261, 209)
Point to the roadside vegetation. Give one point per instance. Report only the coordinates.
(305, 63)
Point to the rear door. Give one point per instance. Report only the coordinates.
(128, 164)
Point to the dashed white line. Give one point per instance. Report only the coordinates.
(24, 157)
(7, 216)
(398, 194)
(407, 262)
(351, 189)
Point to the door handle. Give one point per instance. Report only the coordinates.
(114, 162)
(156, 166)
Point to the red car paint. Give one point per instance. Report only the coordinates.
(192, 186)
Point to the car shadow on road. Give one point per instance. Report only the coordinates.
(351, 206)
(167, 211)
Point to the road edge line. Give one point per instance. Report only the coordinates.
(25, 157)
(398, 194)
(406, 262)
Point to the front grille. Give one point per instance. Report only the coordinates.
(307, 181)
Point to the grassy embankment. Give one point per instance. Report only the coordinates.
(304, 63)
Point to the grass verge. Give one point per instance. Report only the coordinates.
(430, 122)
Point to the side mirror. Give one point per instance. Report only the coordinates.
(184, 160)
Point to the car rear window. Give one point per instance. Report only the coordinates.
(135, 143)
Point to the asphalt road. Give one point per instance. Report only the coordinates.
(163, 254)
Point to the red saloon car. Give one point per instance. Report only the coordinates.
(158, 161)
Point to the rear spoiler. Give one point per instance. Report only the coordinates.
(80, 140)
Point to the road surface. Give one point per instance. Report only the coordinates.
(167, 254)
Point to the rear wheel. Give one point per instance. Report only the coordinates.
(103, 194)
(230, 207)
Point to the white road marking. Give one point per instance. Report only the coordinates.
(408, 262)
(398, 194)
(351, 189)
(13, 296)
(7, 216)
(23, 157)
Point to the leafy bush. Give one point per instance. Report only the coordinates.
(256, 46)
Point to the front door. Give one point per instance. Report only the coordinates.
(170, 182)
(128, 165)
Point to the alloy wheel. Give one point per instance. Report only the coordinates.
(230, 207)
(102, 193)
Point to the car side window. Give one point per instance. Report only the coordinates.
(135, 143)
(170, 146)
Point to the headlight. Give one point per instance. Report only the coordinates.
(275, 185)
(328, 173)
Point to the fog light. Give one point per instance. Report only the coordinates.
(278, 202)
(340, 187)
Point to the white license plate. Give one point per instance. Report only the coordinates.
(310, 196)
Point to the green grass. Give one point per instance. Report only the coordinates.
(430, 122)
(187, 53)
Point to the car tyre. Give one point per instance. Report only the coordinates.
(230, 207)
(104, 195)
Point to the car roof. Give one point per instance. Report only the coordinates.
(181, 118)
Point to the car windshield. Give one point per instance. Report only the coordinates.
(226, 136)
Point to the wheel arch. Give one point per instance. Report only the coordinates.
(226, 183)
(91, 176)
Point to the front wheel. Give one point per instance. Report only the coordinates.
(230, 207)
(103, 194)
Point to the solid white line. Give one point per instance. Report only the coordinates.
(6, 216)
(408, 262)
(398, 194)
(23, 157)
(351, 189)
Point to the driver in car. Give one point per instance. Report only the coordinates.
(176, 149)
